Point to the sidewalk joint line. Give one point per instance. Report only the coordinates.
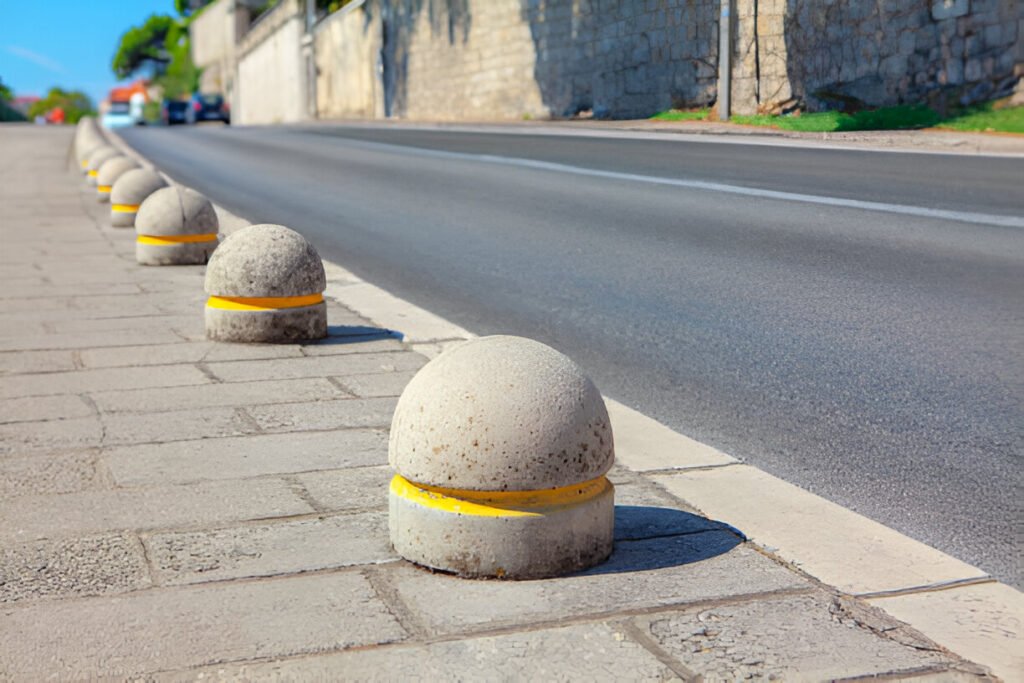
(927, 588)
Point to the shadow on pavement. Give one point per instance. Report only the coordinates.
(354, 334)
(656, 538)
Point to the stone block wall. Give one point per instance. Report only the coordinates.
(942, 52)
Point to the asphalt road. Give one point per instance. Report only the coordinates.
(741, 294)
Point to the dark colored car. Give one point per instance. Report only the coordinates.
(172, 112)
(207, 108)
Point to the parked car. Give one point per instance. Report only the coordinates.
(207, 107)
(119, 115)
(173, 111)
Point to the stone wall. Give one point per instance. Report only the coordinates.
(347, 47)
(537, 58)
(271, 83)
(512, 59)
(831, 54)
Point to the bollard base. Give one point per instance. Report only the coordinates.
(281, 326)
(523, 542)
(122, 219)
(185, 254)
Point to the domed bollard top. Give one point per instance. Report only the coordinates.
(96, 158)
(266, 284)
(175, 226)
(128, 193)
(501, 445)
(87, 138)
(110, 171)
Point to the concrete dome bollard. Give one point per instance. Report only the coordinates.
(128, 193)
(266, 284)
(501, 445)
(97, 158)
(110, 171)
(175, 226)
(87, 138)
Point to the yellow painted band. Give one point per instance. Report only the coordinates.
(124, 208)
(85, 162)
(103, 188)
(175, 239)
(498, 503)
(269, 303)
(93, 173)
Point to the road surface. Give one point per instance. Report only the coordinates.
(851, 321)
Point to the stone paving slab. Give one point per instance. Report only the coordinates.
(227, 458)
(67, 472)
(92, 512)
(822, 638)
(64, 568)
(584, 652)
(221, 509)
(219, 395)
(285, 547)
(191, 626)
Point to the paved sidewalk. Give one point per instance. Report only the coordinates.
(172, 508)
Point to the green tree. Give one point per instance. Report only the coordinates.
(75, 104)
(161, 45)
(7, 112)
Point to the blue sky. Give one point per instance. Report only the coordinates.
(67, 43)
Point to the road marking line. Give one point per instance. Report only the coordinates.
(905, 209)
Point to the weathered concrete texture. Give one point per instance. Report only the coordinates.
(92, 512)
(191, 626)
(280, 326)
(97, 565)
(585, 652)
(501, 413)
(691, 568)
(175, 211)
(208, 459)
(269, 549)
(354, 412)
(984, 622)
(805, 637)
(555, 542)
(265, 261)
(31, 474)
(109, 172)
(329, 366)
(350, 489)
(23, 438)
(218, 395)
(130, 190)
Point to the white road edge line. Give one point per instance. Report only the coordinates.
(962, 610)
(905, 209)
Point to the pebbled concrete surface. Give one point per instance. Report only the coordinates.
(158, 539)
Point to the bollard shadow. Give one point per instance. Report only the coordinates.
(656, 538)
(355, 334)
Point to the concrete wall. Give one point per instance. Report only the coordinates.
(214, 35)
(271, 84)
(347, 47)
